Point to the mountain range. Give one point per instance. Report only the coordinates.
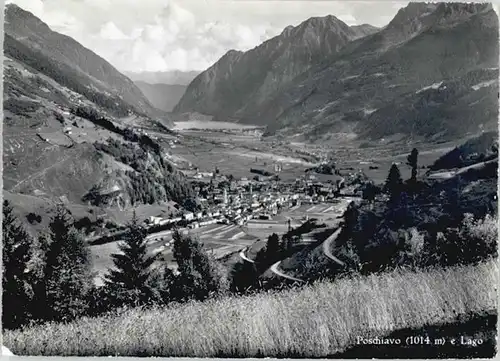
(241, 82)
(432, 72)
(163, 89)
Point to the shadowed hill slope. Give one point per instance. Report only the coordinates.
(31, 41)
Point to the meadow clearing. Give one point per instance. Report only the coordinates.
(318, 320)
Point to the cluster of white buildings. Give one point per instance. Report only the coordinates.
(241, 210)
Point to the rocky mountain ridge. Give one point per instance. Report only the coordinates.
(242, 81)
(431, 72)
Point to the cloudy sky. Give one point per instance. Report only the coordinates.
(163, 35)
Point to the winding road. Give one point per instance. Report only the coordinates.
(244, 257)
(326, 246)
(39, 173)
(327, 249)
(274, 268)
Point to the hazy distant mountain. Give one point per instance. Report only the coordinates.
(174, 77)
(241, 82)
(162, 96)
(364, 30)
(432, 71)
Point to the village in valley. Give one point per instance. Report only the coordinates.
(236, 214)
(289, 186)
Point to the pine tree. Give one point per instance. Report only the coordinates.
(273, 246)
(393, 184)
(200, 275)
(412, 161)
(129, 281)
(370, 191)
(16, 288)
(68, 276)
(288, 241)
(37, 265)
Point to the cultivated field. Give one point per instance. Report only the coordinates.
(317, 321)
(232, 153)
(324, 212)
(235, 153)
(238, 160)
(218, 239)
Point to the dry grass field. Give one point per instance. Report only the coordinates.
(317, 321)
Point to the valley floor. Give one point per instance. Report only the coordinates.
(320, 320)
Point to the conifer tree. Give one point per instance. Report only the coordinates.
(129, 281)
(36, 266)
(393, 184)
(16, 290)
(68, 276)
(200, 275)
(370, 191)
(273, 246)
(412, 161)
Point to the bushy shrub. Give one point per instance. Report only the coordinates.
(33, 218)
(483, 231)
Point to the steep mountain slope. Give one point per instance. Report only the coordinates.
(431, 72)
(29, 40)
(65, 137)
(162, 96)
(434, 75)
(242, 81)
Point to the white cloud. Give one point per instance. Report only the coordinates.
(175, 39)
(110, 31)
(160, 35)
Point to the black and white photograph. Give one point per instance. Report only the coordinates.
(228, 179)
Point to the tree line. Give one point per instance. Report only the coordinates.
(50, 277)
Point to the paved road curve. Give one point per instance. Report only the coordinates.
(244, 256)
(327, 246)
(275, 269)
